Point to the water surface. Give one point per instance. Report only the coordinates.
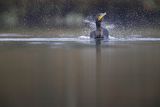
(78, 73)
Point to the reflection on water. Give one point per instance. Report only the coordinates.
(69, 74)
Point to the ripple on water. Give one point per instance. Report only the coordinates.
(82, 39)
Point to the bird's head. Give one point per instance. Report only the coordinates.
(100, 17)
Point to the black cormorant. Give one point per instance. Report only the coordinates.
(100, 32)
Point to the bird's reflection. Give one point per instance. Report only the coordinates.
(98, 70)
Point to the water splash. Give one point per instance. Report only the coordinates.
(79, 39)
(135, 39)
(92, 25)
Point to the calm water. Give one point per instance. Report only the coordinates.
(78, 74)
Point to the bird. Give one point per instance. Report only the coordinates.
(100, 32)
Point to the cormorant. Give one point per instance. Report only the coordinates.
(100, 32)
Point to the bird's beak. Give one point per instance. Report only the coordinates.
(101, 16)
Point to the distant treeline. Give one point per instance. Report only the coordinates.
(54, 12)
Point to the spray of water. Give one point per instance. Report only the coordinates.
(119, 33)
(92, 25)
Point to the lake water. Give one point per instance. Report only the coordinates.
(61, 72)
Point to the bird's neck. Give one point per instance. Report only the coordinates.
(98, 24)
(99, 33)
(98, 29)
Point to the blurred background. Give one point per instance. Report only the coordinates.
(48, 14)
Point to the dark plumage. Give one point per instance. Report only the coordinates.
(100, 32)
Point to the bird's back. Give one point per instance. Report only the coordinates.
(103, 33)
